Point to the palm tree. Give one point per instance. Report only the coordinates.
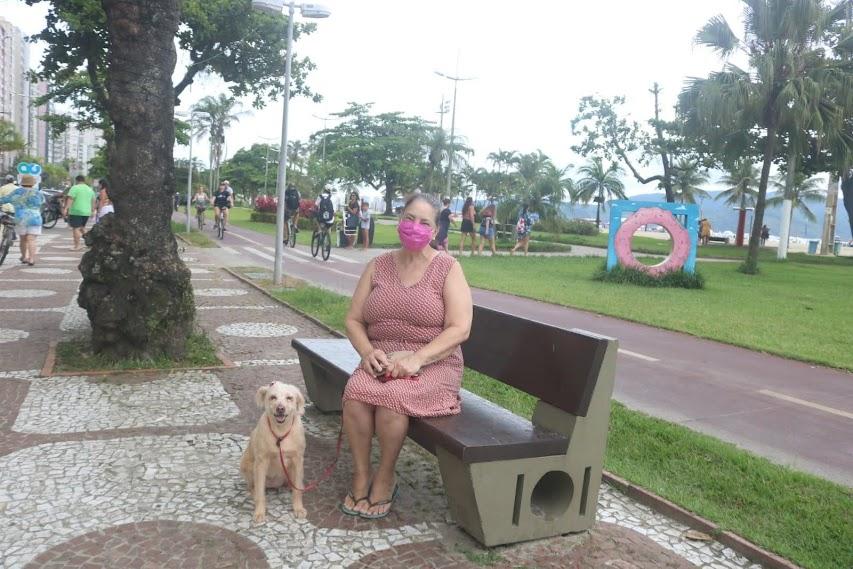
(10, 139)
(741, 180)
(804, 190)
(215, 115)
(783, 90)
(597, 182)
(686, 179)
(539, 183)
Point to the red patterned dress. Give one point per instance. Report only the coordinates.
(408, 318)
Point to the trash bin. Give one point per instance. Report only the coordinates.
(836, 248)
(813, 243)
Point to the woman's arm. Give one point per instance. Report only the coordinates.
(373, 361)
(458, 313)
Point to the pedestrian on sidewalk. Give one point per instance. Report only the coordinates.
(105, 204)
(444, 220)
(364, 218)
(79, 206)
(522, 230)
(705, 230)
(468, 215)
(409, 314)
(487, 227)
(7, 188)
(351, 215)
(27, 201)
(765, 234)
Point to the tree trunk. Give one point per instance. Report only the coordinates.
(829, 215)
(664, 157)
(787, 204)
(750, 266)
(847, 192)
(136, 290)
(389, 198)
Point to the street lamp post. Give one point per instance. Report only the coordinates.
(324, 119)
(450, 153)
(307, 11)
(189, 166)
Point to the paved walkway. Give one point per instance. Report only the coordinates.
(141, 470)
(793, 413)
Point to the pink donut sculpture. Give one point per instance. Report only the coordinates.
(645, 216)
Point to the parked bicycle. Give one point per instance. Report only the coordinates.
(51, 211)
(7, 223)
(321, 240)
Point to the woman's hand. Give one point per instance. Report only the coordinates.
(375, 362)
(406, 366)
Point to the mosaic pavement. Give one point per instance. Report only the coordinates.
(141, 470)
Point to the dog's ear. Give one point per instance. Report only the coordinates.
(261, 395)
(300, 403)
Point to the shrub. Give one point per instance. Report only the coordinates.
(562, 225)
(263, 216)
(266, 204)
(307, 207)
(672, 279)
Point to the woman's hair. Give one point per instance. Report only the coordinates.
(446, 201)
(468, 202)
(421, 197)
(524, 207)
(104, 184)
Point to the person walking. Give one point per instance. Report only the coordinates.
(353, 212)
(79, 206)
(105, 204)
(522, 230)
(487, 227)
(765, 234)
(444, 220)
(705, 230)
(27, 201)
(468, 215)
(364, 218)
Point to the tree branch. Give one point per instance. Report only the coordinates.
(92, 71)
(193, 70)
(626, 160)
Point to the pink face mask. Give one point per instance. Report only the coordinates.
(414, 236)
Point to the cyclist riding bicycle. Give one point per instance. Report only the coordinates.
(222, 202)
(200, 201)
(325, 217)
(291, 208)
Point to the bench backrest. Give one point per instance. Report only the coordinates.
(557, 365)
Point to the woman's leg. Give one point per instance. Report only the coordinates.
(461, 241)
(31, 247)
(365, 238)
(391, 427)
(23, 245)
(358, 421)
(492, 242)
(526, 243)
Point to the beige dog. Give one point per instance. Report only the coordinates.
(283, 407)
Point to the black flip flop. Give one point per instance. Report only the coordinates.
(349, 511)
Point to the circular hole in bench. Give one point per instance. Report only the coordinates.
(552, 495)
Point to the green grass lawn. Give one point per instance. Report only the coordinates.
(195, 237)
(76, 355)
(791, 309)
(799, 516)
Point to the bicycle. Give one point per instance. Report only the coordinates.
(51, 212)
(321, 239)
(8, 235)
(219, 228)
(199, 214)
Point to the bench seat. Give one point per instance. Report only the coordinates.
(482, 432)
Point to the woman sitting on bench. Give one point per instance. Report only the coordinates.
(410, 312)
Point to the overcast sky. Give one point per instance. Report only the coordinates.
(532, 61)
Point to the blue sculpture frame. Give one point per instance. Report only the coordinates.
(690, 221)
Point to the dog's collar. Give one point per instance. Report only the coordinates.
(278, 439)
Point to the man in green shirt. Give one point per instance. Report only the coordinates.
(79, 205)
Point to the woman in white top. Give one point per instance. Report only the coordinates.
(105, 204)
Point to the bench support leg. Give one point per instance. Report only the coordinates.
(322, 391)
(508, 501)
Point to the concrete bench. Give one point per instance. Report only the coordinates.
(507, 479)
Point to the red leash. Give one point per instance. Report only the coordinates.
(327, 472)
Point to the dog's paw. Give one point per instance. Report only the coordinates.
(260, 517)
(300, 512)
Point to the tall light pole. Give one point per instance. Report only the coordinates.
(266, 160)
(456, 81)
(189, 166)
(307, 11)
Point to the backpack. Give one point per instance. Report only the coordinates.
(291, 198)
(326, 211)
(521, 225)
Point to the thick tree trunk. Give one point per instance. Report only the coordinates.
(389, 198)
(135, 288)
(829, 215)
(750, 266)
